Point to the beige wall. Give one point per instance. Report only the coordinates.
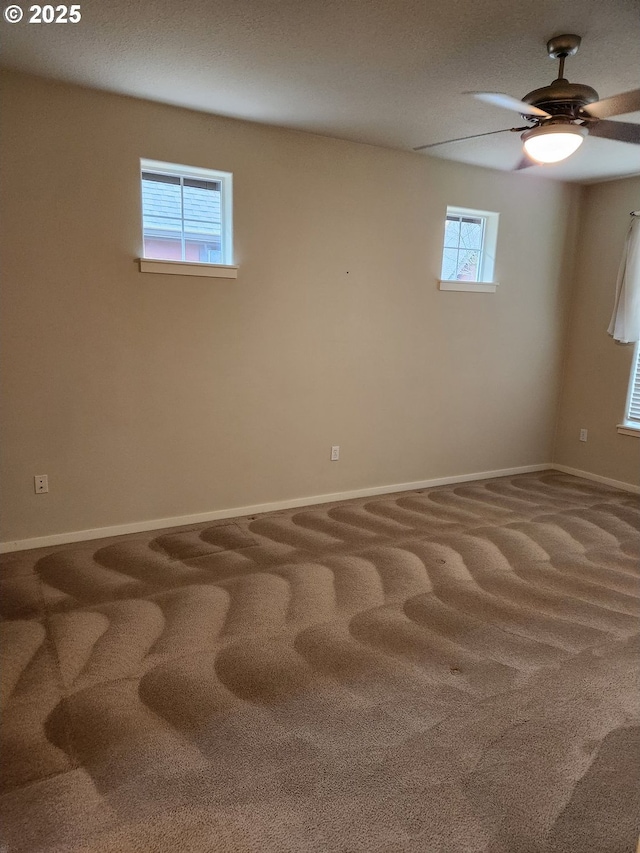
(597, 369)
(151, 396)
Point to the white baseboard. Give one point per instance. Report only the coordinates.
(607, 481)
(238, 512)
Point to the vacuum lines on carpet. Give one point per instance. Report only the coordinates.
(451, 670)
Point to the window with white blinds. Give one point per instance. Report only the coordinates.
(633, 400)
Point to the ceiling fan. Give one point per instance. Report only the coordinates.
(562, 114)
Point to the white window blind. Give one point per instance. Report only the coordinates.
(633, 407)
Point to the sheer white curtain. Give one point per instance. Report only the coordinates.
(625, 321)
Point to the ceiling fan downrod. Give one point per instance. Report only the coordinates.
(562, 99)
(561, 47)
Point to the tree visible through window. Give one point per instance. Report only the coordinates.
(469, 245)
(463, 244)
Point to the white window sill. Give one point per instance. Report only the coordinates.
(469, 286)
(188, 268)
(629, 429)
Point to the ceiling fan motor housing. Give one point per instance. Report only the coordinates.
(562, 98)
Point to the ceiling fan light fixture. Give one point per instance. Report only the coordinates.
(553, 142)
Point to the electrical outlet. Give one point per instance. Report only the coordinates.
(335, 453)
(583, 435)
(41, 484)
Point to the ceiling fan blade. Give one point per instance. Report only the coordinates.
(508, 103)
(617, 105)
(462, 138)
(524, 163)
(623, 131)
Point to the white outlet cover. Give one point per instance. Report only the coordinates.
(41, 484)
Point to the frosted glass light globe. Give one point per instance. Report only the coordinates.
(553, 143)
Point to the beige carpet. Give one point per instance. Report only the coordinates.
(452, 670)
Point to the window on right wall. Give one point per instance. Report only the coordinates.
(631, 423)
(469, 250)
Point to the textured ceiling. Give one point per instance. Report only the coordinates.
(385, 72)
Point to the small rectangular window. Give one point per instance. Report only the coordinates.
(463, 248)
(469, 245)
(186, 213)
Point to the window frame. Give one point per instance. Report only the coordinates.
(485, 282)
(631, 425)
(225, 269)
